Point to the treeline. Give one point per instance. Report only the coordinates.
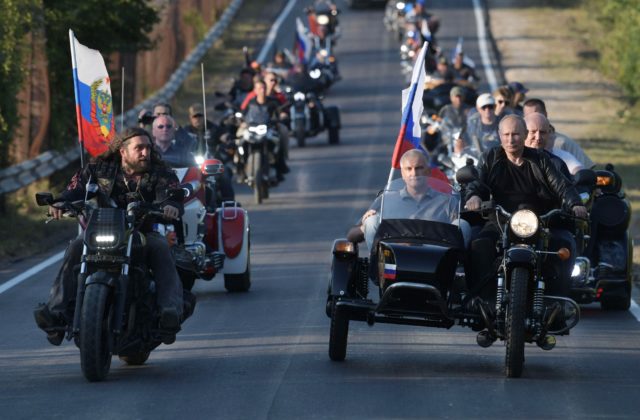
(108, 26)
(618, 42)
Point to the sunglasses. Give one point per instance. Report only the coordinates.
(500, 101)
(197, 116)
(163, 126)
(271, 80)
(488, 107)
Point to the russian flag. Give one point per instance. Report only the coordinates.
(389, 271)
(303, 43)
(94, 105)
(410, 131)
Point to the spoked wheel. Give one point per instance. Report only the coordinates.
(95, 352)
(516, 314)
(338, 334)
(136, 359)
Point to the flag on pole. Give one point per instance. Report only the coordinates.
(94, 106)
(466, 60)
(410, 131)
(303, 43)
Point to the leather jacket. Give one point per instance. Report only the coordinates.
(551, 184)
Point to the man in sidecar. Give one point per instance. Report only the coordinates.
(422, 197)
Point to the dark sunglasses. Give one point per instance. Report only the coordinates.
(167, 126)
(197, 115)
(500, 101)
(488, 107)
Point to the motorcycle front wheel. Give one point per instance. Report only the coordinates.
(516, 314)
(95, 352)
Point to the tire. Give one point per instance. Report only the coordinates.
(338, 334)
(516, 314)
(334, 135)
(254, 165)
(95, 352)
(187, 279)
(235, 283)
(301, 135)
(616, 303)
(137, 359)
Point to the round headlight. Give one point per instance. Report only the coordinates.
(323, 19)
(524, 223)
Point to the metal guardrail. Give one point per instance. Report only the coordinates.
(27, 172)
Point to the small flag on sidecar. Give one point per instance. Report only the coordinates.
(389, 271)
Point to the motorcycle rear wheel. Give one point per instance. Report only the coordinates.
(300, 134)
(516, 314)
(95, 352)
(338, 334)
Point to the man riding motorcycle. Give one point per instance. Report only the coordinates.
(515, 177)
(131, 170)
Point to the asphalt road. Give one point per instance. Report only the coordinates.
(263, 354)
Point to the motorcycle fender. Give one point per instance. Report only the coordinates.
(233, 238)
(343, 271)
(102, 277)
(520, 256)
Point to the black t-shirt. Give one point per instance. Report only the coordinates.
(519, 189)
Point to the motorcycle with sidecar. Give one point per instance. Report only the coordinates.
(417, 265)
(603, 272)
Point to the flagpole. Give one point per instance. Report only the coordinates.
(122, 102)
(76, 89)
(204, 110)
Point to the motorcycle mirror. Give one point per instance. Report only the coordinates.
(44, 198)
(564, 254)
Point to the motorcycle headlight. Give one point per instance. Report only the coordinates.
(104, 240)
(260, 130)
(199, 159)
(315, 73)
(299, 96)
(400, 5)
(323, 52)
(524, 223)
(323, 20)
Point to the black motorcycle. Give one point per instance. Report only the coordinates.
(308, 116)
(418, 265)
(115, 308)
(603, 271)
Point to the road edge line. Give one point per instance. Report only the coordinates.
(30, 272)
(484, 49)
(273, 32)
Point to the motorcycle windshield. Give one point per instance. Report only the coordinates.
(420, 198)
(181, 160)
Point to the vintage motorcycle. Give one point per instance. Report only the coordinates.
(115, 312)
(603, 271)
(418, 266)
(213, 237)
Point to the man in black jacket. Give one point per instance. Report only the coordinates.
(131, 170)
(515, 176)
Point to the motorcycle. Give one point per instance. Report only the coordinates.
(603, 271)
(418, 266)
(257, 152)
(214, 235)
(115, 308)
(309, 117)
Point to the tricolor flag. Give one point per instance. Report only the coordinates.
(303, 43)
(389, 271)
(94, 107)
(410, 131)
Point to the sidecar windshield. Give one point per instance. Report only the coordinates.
(420, 198)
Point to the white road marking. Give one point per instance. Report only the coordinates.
(30, 272)
(635, 309)
(484, 49)
(273, 32)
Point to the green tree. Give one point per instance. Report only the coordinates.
(107, 26)
(15, 24)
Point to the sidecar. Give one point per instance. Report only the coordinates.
(417, 266)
